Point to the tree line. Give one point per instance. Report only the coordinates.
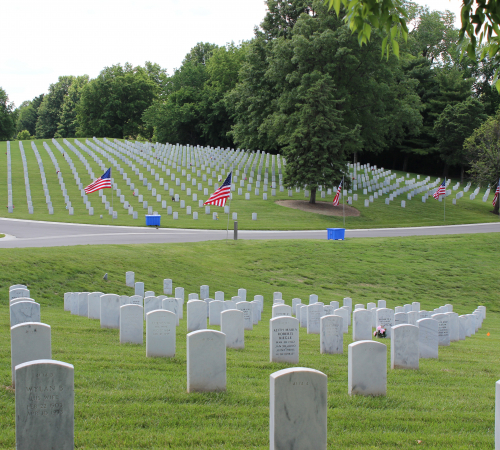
(303, 87)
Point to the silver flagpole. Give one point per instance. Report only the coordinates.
(444, 200)
(343, 207)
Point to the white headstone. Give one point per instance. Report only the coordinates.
(215, 309)
(25, 311)
(232, 325)
(284, 340)
(204, 292)
(313, 298)
(83, 304)
(344, 313)
(131, 324)
(281, 310)
(160, 333)
(314, 314)
(443, 328)
(167, 286)
(367, 368)
(362, 325)
(242, 293)
(331, 334)
(29, 341)
(385, 318)
(94, 300)
(110, 311)
(298, 409)
(295, 302)
(171, 304)
(454, 326)
(428, 338)
(139, 288)
(219, 295)
(404, 347)
(45, 405)
(196, 315)
(130, 279)
(206, 361)
(247, 310)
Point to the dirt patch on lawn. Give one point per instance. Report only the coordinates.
(325, 208)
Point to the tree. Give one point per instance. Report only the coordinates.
(112, 104)
(23, 135)
(28, 115)
(483, 152)
(49, 112)
(67, 121)
(374, 97)
(7, 117)
(455, 124)
(316, 141)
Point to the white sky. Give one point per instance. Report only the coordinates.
(43, 40)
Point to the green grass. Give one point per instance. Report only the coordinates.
(270, 215)
(125, 400)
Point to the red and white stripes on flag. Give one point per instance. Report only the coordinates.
(103, 182)
(219, 197)
(497, 193)
(441, 190)
(337, 195)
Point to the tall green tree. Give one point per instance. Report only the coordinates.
(49, 111)
(67, 121)
(28, 115)
(7, 117)
(112, 104)
(453, 126)
(483, 151)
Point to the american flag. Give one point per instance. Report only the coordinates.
(219, 197)
(337, 195)
(101, 183)
(497, 192)
(441, 190)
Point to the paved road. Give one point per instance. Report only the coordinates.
(31, 233)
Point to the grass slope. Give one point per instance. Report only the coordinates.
(125, 400)
(270, 215)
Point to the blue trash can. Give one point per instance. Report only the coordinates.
(153, 221)
(337, 234)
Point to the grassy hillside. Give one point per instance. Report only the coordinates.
(125, 400)
(269, 214)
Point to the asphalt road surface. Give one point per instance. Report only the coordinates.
(31, 233)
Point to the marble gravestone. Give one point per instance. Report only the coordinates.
(29, 341)
(328, 310)
(381, 304)
(233, 326)
(404, 347)
(110, 311)
(215, 309)
(131, 324)
(281, 310)
(167, 286)
(179, 293)
(443, 328)
(277, 296)
(83, 304)
(344, 313)
(73, 302)
(219, 295)
(206, 361)
(303, 316)
(193, 296)
(313, 298)
(172, 305)
(362, 325)
(427, 338)
(367, 368)
(204, 292)
(130, 279)
(149, 294)
(454, 326)
(24, 311)
(400, 318)
(413, 316)
(139, 288)
(462, 326)
(94, 300)
(135, 300)
(160, 333)
(242, 293)
(196, 315)
(385, 318)
(331, 330)
(335, 305)
(295, 302)
(348, 309)
(125, 300)
(18, 293)
(298, 409)
(284, 340)
(314, 314)
(247, 310)
(45, 405)
(151, 304)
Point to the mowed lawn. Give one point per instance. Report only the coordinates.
(270, 215)
(125, 400)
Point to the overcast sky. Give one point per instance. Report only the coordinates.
(43, 40)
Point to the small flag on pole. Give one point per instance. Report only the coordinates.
(101, 183)
(219, 197)
(441, 190)
(337, 195)
(497, 192)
